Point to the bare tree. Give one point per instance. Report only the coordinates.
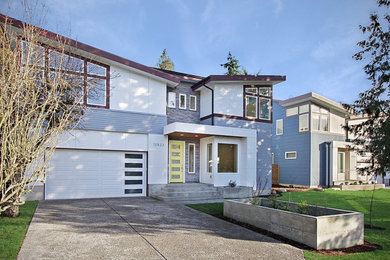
(41, 97)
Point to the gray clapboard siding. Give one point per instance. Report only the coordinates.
(122, 121)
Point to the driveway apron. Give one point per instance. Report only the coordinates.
(141, 228)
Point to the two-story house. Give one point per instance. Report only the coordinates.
(310, 145)
(148, 128)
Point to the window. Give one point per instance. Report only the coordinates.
(257, 102)
(315, 122)
(193, 103)
(304, 109)
(290, 155)
(341, 162)
(182, 101)
(251, 106)
(324, 123)
(89, 87)
(279, 127)
(319, 119)
(209, 157)
(171, 100)
(303, 122)
(265, 105)
(191, 158)
(291, 111)
(227, 158)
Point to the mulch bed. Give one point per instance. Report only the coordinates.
(366, 247)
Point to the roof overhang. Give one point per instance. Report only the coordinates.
(88, 51)
(315, 98)
(199, 131)
(245, 79)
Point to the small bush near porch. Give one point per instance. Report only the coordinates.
(13, 230)
(348, 200)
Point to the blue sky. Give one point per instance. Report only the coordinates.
(311, 42)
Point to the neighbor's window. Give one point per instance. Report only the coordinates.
(257, 102)
(304, 109)
(227, 158)
(171, 99)
(304, 118)
(319, 118)
(291, 111)
(279, 127)
(182, 101)
(341, 162)
(193, 103)
(191, 158)
(290, 155)
(303, 122)
(209, 157)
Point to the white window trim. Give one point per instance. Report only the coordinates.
(276, 130)
(173, 94)
(185, 101)
(269, 108)
(291, 158)
(208, 157)
(191, 144)
(190, 103)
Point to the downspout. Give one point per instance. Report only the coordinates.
(328, 161)
(212, 103)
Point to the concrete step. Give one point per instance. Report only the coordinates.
(203, 194)
(188, 200)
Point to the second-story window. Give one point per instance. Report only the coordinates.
(257, 102)
(193, 103)
(319, 118)
(182, 101)
(304, 118)
(89, 77)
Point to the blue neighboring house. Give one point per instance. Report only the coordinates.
(310, 144)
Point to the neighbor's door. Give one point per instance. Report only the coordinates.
(176, 161)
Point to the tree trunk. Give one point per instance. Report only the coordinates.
(12, 212)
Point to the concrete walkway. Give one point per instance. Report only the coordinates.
(141, 228)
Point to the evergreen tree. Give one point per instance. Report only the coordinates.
(164, 62)
(373, 134)
(232, 66)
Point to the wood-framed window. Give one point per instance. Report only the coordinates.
(304, 118)
(92, 75)
(258, 102)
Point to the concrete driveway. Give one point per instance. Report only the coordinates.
(141, 228)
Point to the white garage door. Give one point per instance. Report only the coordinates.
(95, 174)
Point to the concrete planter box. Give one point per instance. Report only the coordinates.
(362, 187)
(325, 228)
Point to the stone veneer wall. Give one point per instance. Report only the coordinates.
(184, 115)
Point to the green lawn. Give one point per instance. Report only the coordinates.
(349, 200)
(13, 230)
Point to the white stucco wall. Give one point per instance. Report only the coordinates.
(157, 159)
(136, 93)
(205, 102)
(228, 99)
